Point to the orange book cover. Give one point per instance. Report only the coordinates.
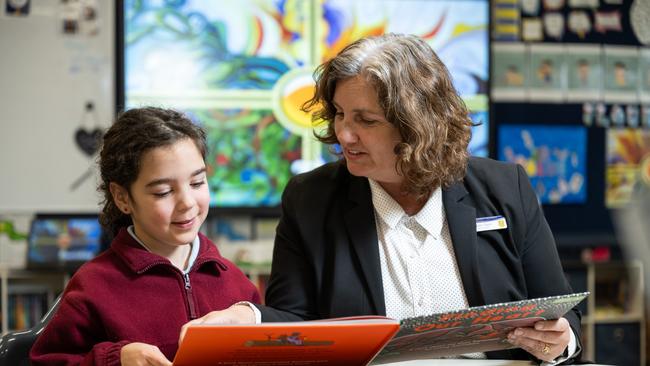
(340, 341)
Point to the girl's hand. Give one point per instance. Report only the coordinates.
(546, 340)
(236, 314)
(142, 354)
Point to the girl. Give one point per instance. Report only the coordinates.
(127, 306)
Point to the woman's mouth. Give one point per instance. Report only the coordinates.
(351, 153)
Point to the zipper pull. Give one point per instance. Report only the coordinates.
(186, 277)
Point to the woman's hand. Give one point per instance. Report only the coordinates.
(236, 314)
(142, 354)
(546, 340)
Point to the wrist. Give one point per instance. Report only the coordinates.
(245, 313)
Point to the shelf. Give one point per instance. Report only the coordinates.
(33, 292)
(614, 313)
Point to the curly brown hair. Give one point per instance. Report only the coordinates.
(415, 91)
(135, 132)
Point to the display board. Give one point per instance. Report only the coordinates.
(57, 97)
(571, 102)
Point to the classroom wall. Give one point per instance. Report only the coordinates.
(47, 77)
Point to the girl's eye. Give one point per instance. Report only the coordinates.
(162, 194)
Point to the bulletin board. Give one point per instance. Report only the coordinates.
(571, 103)
(57, 96)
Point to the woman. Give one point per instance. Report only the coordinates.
(391, 228)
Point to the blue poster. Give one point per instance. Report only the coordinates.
(554, 157)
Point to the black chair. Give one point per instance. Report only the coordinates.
(15, 346)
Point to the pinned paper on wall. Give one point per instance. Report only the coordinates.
(621, 81)
(579, 23)
(17, 7)
(79, 17)
(644, 75)
(627, 151)
(554, 158)
(509, 71)
(640, 21)
(554, 25)
(584, 76)
(546, 65)
(88, 138)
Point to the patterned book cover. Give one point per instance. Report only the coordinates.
(477, 329)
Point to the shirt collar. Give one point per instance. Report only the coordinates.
(194, 249)
(390, 212)
(139, 259)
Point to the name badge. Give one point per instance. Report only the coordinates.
(491, 223)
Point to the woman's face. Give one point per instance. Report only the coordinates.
(367, 139)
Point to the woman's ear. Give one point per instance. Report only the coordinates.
(120, 197)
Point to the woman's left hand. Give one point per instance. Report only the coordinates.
(546, 340)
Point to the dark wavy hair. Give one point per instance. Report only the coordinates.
(135, 132)
(416, 93)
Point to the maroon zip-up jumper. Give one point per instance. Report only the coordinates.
(128, 294)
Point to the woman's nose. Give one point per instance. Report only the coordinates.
(345, 133)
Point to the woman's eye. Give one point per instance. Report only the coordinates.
(198, 184)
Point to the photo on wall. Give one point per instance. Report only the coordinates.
(644, 75)
(621, 69)
(584, 72)
(244, 69)
(628, 149)
(547, 66)
(554, 157)
(509, 71)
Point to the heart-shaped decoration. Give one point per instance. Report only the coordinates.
(88, 141)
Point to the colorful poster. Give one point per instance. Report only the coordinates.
(243, 68)
(554, 158)
(628, 151)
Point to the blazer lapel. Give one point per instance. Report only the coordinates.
(461, 219)
(359, 218)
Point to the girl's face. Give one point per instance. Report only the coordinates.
(170, 198)
(367, 139)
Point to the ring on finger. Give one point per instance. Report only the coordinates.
(546, 349)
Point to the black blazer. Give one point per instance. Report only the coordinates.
(326, 255)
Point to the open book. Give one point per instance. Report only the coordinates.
(357, 340)
(341, 341)
(477, 329)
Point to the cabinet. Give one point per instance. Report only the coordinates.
(613, 321)
(25, 296)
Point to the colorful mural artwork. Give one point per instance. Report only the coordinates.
(243, 68)
(554, 158)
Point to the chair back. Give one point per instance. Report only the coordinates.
(15, 346)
